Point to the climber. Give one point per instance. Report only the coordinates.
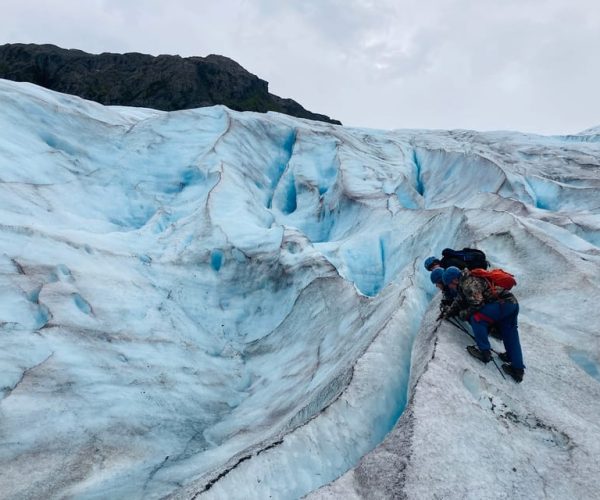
(481, 302)
(448, 295)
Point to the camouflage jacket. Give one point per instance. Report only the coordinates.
(474, 292)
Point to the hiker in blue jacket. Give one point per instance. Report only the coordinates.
(448, 295)
(482, 304)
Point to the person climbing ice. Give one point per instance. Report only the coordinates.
(481, 302)
(448, 295)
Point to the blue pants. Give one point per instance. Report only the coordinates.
(504, 315)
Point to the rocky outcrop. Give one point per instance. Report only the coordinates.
(165, 82)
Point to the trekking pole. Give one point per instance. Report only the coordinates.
(464, 329)
(454, 322)
(497, 367)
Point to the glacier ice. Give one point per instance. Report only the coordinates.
(224, 304)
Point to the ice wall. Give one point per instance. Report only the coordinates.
(219, 304)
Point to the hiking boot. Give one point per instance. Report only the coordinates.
(484, 356)
(504, 357)
(515, 373)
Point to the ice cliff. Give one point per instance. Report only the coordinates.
(213, 304)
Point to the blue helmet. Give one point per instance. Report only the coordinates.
(436, 275)
(430, 261)
(451, 274)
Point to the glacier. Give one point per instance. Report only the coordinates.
(214, 304)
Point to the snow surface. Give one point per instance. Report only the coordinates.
(212, 304)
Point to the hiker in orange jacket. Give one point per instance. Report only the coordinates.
(482, 304)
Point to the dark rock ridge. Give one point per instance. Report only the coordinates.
(165, 82)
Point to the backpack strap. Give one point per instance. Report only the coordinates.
(492, 287)
(489, 282)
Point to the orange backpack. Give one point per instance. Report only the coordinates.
(496, 277)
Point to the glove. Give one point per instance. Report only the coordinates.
(443, 312)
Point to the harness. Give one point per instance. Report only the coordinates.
(482, 317)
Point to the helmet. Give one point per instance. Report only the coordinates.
(451, 274)
(436, 275)
(430, 261)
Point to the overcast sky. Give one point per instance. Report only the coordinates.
(528, 65)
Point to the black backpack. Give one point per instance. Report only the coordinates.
(471, 257)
